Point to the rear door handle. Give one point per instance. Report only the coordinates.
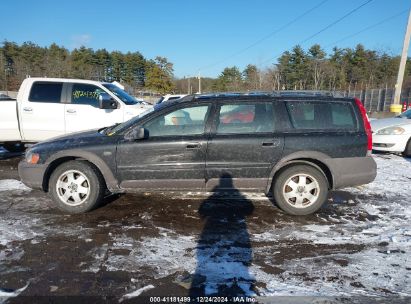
(274, 143)
(27, 109)
(267, 144)
(72, 111)
(193, 146)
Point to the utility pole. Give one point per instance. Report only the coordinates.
(189, 85)
(396, 106)
(199, 83)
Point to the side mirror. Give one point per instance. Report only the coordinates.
(106, 101)
(136, 134)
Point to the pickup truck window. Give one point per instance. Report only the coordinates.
(46, 92)
(124, 97)
(85, 94)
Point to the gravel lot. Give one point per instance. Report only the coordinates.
(137, 246)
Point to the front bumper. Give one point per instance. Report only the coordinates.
(32, 175)
(390, 143)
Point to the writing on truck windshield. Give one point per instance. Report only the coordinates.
(124, 97)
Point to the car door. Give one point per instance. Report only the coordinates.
(83, 111)
(173, 155)
(42, 111)
(243, 146)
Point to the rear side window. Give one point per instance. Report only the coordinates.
(46, 92)
(322, 115)
(246, 118)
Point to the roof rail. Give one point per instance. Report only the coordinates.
(283, 93)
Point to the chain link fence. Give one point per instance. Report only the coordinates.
(379, 100)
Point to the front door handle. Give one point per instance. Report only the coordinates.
(27, 109)
(72, 111)
(193, 146)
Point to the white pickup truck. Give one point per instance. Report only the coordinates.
(49, 107)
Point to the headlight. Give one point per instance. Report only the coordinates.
(32, 158)
(391, 131)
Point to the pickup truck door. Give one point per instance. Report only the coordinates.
(83, 112)
(41, 111)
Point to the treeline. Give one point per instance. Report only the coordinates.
(131, 68)
(314, 69)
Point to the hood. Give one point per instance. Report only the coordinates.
(388, 122)
(134, 110)
(70, 141)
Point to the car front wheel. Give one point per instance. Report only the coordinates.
(76, 187)
(407, 151)
(300, 190)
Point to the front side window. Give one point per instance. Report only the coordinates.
(85, 94)
(185, 121)
(245, 118)
(46, 92)
(317, 115)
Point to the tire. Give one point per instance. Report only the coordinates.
(300, 190)
(407, 151)
(76, 187)
(14, 147)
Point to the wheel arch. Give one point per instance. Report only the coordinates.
(64, 156)
(303, 160)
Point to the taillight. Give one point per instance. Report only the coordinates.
(367, 125)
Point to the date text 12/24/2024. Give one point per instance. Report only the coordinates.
(239, 299)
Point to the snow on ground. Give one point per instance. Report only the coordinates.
(378, 220)
(135, 293)
(368, 229)
(12, 184)
(6, 294)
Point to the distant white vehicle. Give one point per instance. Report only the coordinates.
(392, 134)
(49, 107)
(169, 97)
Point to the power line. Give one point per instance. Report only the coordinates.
(368, 28)
(336, 21)
(326, 27)
(265, 37)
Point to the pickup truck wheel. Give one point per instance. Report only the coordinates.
(300, 190)
(76, 187)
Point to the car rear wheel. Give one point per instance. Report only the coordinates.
(76, 187)
(300, 190)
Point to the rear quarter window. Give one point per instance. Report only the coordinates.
(46, 92)
(318, 115)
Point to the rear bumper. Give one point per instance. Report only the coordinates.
(352, 171)
(32, 175)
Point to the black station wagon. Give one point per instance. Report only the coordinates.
(293, 147)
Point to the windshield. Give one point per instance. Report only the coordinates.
(406, 114)
(124, 97)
